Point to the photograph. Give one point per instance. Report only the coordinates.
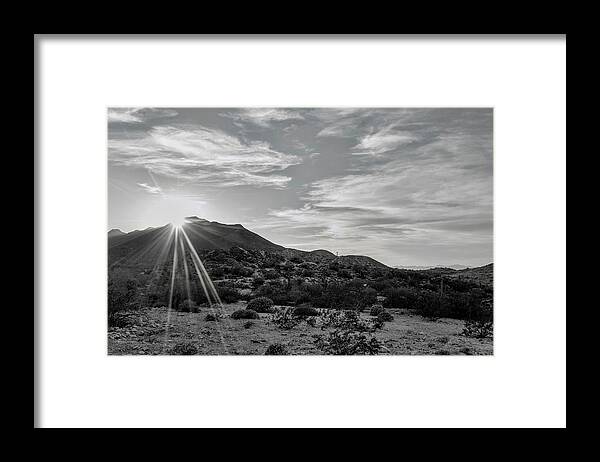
(300, 230)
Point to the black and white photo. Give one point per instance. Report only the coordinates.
(300, 231)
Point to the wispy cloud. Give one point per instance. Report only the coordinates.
(431, 189)
(138, 115)
(204, 155)
(263, 117)
(150, 189)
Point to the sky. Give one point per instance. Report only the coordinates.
(408, 187)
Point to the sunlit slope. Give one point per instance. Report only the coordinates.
(146, 247)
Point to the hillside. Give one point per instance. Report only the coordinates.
(144, 248)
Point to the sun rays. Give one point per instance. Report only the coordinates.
(182, 249)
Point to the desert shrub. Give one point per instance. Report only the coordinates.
(228, 294)
(245, 314)
(212, 317)
(344, 273)
(122, 296)
(478, 329)
(271, 274)
(351, 295)
(305, 311)
(248, 324)
(376, 309)
(237, 269)
(189, 306)
(276, 349)
(261, 305)
(285, 319)
(120, 319)
(481, 326)
(347, 342)
(184, 348)
(400, 297)
(347, 320)
(385, 316)
(258, 281)
(311, 321)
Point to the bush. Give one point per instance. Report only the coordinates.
(483, 325)
(348, 320)
(271, 274)
(478, 329)
(211, 317)
(228, 294)
(276, 349)
(122, 296)
(346, 342)
(305, 311)
(184, 348)
(120, 319)
(189, 306)
(245, 314)
(352, 295)
(400, 297)
(248, 324)
(385, 316)
(261, 305)
(376, 309)
(285, 319)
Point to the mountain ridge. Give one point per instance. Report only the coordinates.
(210, 235)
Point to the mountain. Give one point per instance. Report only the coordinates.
(482, 274)
(210, 235)
(143, 248)
(115, 232)
(360, 260)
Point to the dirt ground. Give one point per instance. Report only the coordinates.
(407, 334)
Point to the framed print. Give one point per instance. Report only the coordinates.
(298, 232)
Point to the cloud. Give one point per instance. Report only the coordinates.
(138, 115)
(151, 189)
(263, 117)
(204, 155)
(426, 189)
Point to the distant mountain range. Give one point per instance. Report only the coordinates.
(142, 248)
(420, 268)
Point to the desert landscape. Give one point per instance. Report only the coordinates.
(209, 288)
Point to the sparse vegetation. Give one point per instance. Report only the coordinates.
(357, 306)
(284, 318)
(347, 342)
(305, 311)
(483, 325)
(245, 314)
(385, 316)
(184, 348)
(376, 309)
(261, 305)
(276, 349)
